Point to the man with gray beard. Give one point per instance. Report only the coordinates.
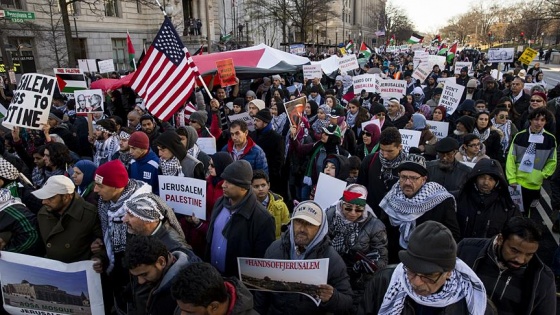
(446, 171)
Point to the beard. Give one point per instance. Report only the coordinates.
(445, 166)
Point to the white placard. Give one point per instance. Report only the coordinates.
(410, 138)
(348, 63)
(451, 96)
(329, 190)
(421, 72)
(207, 144)
(184, 195)
(89, 101)
(31, 284)
(436, 60)
(421, 58)
(438, 128)
(106, 66)
(389, 88)
(516, 196)
(312, 71)
(500, 55)
(451, 79)
(460, 64)
(31, 103)
(496, 74)
(364, 82)
(520, 48)
(87, 65)
(246, 118)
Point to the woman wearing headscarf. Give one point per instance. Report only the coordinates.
(321, 121)
(427, 139)
(84, 172)
(440, 114)
(379, 112)
(490, 136)
(310, 111)
(355, 116)
(280, 122)
(370, 138)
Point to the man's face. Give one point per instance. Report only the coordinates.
(411, 182)
(393, 108)
(490, 85)
(123, 144)
(133, 120)
(100, 135)
(135, 225)
(516, 252)
(191, 309)
(107, 193)
(391, 68)
(446, 159)
(537, 124)
(221, 94)
(148, 126)
(276, 83)
(253, 109)
(56, 203)
(137, 153)
(237, 136)
(516, 86)
(259, 124)
(232, 191)
(183, 140)
(149, 273)
(304, 232)
(426, 284)
(214, 105)
(390, 151)
(480, 107)
(260, 188)
(82, 102)
(485, 183)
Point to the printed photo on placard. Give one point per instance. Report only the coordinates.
(89, 101)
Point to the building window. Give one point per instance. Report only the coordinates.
(120, 55)
(111, 8)
(11, 4)
(138, 6)
(80, 51)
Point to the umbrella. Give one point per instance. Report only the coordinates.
(103, 84)
(123, 81)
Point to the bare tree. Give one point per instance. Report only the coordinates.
(395, 22)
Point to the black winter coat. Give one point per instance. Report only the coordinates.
(274, 147)
(370, 176)
(452, 180)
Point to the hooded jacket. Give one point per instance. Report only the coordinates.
(252, 154)
(194, 150)
(278, 209)
(491, 96)
(484, 215)
(146, 170)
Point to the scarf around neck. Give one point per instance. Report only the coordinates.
(351, 119)
(506, 129)
(388, 166)
(484, 135)
(171, 167)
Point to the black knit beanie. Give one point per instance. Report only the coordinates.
(239, 173)
(171, 141)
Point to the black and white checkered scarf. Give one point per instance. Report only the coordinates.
(105, 149)
(171, 167)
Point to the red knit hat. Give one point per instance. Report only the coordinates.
(542, 95)
(112, 173)
(140, 140)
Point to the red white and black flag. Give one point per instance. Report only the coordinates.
(166, 77)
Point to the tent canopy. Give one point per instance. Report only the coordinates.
(252, 62)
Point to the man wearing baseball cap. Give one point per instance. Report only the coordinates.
(66, 221)
(307, 238)
(430, 279)
(447, 171)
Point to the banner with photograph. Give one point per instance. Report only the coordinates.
(389, 88)
(294, 110)
(440, 129)
(312, 71)
(500, 54)
(89, 101)
(288, 276)
(364, 82)
(185, 195)
(245, 117)
(31, 103)
(34, 285)
(451, 96)
(410, 138)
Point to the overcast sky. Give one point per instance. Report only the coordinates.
(430, 15)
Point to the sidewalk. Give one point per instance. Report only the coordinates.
(550, 66)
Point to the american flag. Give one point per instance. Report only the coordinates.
(166, 77)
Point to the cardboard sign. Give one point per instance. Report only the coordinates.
(207, 145)
(312, 71)
(410, 138)
(460, 64)
(87, 65)
(106, 66)
(392, 88)
(246, 118)
(364, 82)
(31, 103)
(35, 285)
(288, 276)
(185, 195)
(421, 72)
(528, 55)
(516, 196)
(294, 110)
(436, 60)
(226, 71)
(421, 57)
(89, 101)
(348, 63)
(329, 190)
(451, 96)
(500, 55)
(440, 129)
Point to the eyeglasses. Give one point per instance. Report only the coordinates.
(536, 101)
(472, 145)
(503, 116)
(367, 134)
(348, 207)
(404, 178)
(411, 275)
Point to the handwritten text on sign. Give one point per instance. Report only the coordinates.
(31, 103)
(451, 96)
(226, 71)
(364, 82)
(410, 138)
(392, 88)
(184, 195)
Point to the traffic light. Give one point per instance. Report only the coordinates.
(522, 35)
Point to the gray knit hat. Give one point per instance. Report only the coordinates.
(415, 163)
(239, 173)
(431, 249)
(200, 116)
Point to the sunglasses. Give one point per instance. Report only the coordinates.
(348, 207)
(503, 116)
(536, 101)
(367, 134)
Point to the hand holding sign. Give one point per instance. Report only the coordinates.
(226, 71)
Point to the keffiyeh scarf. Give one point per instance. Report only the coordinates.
(171, 167)
(344, 233)
(318, 125)
(462, 284)
(278, 122)
(351, 119)
(388, 166)
(404, 211)
(104, 150)
(484, 135)
(506, 129)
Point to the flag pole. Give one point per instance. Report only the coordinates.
(161, 8)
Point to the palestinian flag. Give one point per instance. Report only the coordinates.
(70, 80)
(415, 38)
(131, 51)
(226, 37)
(436, 40)
(350, 45)
(392, 41)
(451, 53)
(365, 51)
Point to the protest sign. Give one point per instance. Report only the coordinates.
(516, 196)
(496, 74)
(410, 138)
(520, 48)
(226, 71)
(421, 58)
(389, 88)
(364, 82)
(207, 144)
(34, 285)
(312, 71)
(451, 96)
(440, 129)
(415, 47)
(297, 49)
(348, 63)
(185, 195)
(106, 66)
(500, 55)
(70, 80)
(460, 64)
(89, 101)
(421, 72)
(294, 110)
(245, 117)
(12, 77)
(289, 276)
(451, 79)
(436, 60)
(528, 55)
(31, 103)
(87, 65)
(329, 190)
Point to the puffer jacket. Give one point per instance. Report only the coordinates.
(252, 154)
(278, 209)
(484, 215)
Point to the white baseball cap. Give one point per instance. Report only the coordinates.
(55, 185)
(309, 211)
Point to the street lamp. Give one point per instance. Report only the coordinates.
(247, 19)
(169, 10)
(317, 33)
